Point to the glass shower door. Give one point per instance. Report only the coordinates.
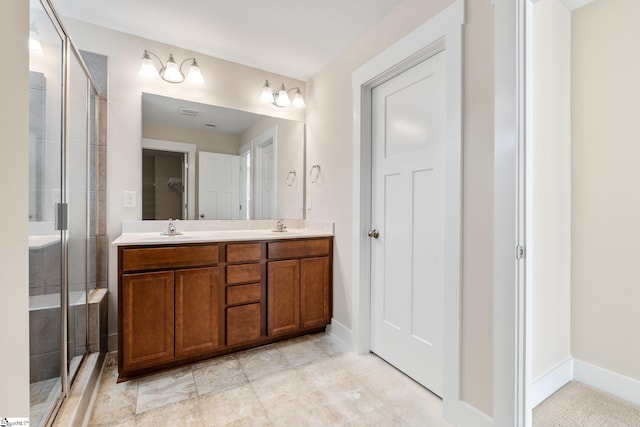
(45, 195)
(77, 197)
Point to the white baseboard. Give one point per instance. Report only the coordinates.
(460, 413)
(341, 333)
(608, 381)
(575, 369)
(551, 381)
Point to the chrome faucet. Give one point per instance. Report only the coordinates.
(171, 229)
(279, 227)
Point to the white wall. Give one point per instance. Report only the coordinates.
(14, 289)
(227, 84)
(549, 156)
(605, 67)
(329, 144)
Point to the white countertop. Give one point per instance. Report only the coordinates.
(196, 232)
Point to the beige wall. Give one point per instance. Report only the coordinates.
(605, 176)
(14, 289)
(204, 141)
(477, 218)
(330, 144)
(226, 84)
(549, 258)
(289, 157)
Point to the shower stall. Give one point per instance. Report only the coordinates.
(67, 256)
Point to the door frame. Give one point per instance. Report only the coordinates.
(259, 142)
(178, 147)
(443, 32)
(511, 358)
(246, 149)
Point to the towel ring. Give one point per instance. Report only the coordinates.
(315, 168)
(291, 177)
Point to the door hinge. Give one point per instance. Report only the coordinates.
(61, 216)
(520, 252)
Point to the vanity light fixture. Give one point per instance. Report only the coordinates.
(281, 98)
(170, 72)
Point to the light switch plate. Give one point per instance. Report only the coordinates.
(129, 199)
(308, 203)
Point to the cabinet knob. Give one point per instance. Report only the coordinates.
(201, 215)
(374, 233)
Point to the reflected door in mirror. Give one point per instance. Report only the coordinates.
(218, 186)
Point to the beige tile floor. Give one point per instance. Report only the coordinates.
(308, 381)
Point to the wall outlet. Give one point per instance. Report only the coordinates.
(129, 199)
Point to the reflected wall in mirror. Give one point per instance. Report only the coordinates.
(227, 164)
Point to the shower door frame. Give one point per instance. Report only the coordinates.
(69, 49)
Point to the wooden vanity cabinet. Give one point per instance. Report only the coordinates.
(170, 314)
(299, 287)
(186, 302)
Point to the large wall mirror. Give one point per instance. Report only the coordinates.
(207, 162)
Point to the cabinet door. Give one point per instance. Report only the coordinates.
(147, 319)
(314, 292)
(197, 311)
(283, 297)
(243, 324)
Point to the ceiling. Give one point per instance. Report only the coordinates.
(167, 112)
(295, 38)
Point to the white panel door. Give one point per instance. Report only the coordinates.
(218, 186)
(407, 265)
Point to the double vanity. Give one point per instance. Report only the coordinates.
(216, 288)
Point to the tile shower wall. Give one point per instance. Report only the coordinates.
(44, 343)
(98, 303)
(98, 245)
(44, 270)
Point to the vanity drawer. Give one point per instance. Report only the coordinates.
(146, 259)
(244, 294)
(244, 252)
(244, 273)
(243, 324)
(168, 257)
(298, 248)
(192, 256)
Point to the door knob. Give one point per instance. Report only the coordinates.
(374, 233)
